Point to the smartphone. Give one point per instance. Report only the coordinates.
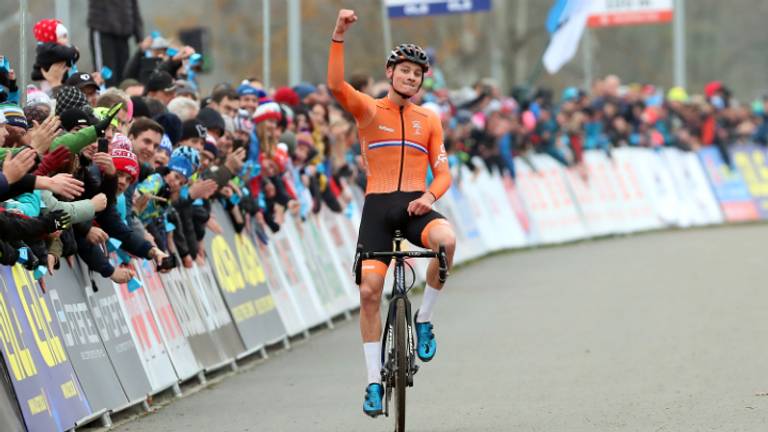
(103, 145)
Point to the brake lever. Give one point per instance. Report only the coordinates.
(358, 265)
(443, 264)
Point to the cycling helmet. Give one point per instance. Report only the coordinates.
(409, 52)
(190, 154)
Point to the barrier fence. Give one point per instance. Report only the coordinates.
(87, 347)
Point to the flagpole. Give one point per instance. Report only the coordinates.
(386, 29)
(588, 58)
(678, 32)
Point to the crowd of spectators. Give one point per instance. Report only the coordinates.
(111, 173)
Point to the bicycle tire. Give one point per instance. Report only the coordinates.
(401, 364)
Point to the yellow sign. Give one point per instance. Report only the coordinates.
(39, 317)
(226, 266)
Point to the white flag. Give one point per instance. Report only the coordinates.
(565, 40)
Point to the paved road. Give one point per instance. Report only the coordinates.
(660, 332)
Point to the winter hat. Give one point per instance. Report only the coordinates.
(181, 165)
(165, 145)
(172, 126)
(712, 87)
(304, 89)
(35, 95)
(246, 89)
(267, 110)
(14, 116)
(210, 147)
(126, 161)
(286, 95)
(211, 119)
(74, 117)
(48, 53)
(677, 94)
(120, 141)
(192, 128)
(140, 108)
(50, 30)
(70, 97)
(190, 153)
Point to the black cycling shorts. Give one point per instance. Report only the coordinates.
(387, 212)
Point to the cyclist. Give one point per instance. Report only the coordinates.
(398, 140)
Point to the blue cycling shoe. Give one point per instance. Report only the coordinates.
(372, 405)
(426, 345)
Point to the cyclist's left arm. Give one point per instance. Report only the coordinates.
(438, 159)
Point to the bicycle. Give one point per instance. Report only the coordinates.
(397, 344)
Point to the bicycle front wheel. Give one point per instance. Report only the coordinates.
(401, 364)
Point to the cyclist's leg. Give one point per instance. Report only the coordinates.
(439, 232)
(374, 236)
(431, 231)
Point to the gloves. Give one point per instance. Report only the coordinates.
(8, 254)
(53, 161)
(103, 124)
(57, 220)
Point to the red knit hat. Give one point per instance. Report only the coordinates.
(125, 161)
(286, 95)
(48, 30)
(266, 111)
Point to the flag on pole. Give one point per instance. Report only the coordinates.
(566, 21)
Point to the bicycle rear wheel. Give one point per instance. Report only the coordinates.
(401, 364)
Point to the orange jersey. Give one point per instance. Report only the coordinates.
(397, 143)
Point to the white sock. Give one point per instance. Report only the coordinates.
(372, 352)
(425, 311)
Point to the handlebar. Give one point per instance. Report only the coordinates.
(360, 256)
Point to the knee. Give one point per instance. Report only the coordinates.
(445, 237)
(370, 293)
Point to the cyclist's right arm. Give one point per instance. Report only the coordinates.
(360, 105)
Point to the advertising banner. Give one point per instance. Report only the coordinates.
(750, 160)
(80, 335)
(143, 330)
(612, 13)
(115, 333)
(214, 309)
(650, 187)
(519, 208)
(184, 362)
(343, 247)
(203, 336)
(10, 417)
(291, 264)
(729, 187)
(544, 188)
(481, 205)
(48, 392)
(282, 291)
(417, 8)
(329, 294)
(243, 283)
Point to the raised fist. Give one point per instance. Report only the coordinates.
(343, 22)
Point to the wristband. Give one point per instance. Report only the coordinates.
(433, 196)
(337, 41)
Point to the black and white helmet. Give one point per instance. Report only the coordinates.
(409, 52)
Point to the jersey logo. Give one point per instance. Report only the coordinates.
(442, 157)
(416, 125)
(386, 129)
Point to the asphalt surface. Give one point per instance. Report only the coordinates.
(658, 332)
